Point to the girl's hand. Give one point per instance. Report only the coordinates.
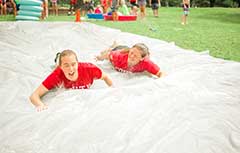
(99, 58)
(41, 108)
(161, 74)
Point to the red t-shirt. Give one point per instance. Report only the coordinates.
(120, 63)
(106, 3)
(73, 2)
(87, 72)
(97, 11)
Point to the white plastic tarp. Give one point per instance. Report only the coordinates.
(194, 109)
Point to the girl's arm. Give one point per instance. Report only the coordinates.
(35, 98)
(104, 55)
(160, 74)
(107, 79)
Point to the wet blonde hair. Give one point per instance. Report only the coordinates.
(60, 55)
(140, 46)
(143, 48)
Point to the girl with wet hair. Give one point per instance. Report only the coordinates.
(134, 59)
(69, 73)
(144, 49)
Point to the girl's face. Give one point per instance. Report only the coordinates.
(69, 66)
(134, 56)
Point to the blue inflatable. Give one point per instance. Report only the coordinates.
(30, 10)
(30, 2)
(27, 18)
(95, 16)
(29, 13)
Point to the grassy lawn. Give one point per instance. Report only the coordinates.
(213, 29)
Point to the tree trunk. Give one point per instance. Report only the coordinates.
(192, 3)
(212, 2)
(166, 3)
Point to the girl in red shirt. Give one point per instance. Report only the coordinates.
(135, 59)
(70, 74)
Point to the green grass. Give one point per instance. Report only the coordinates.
(213, 29)
(7, 18)
(216, 30)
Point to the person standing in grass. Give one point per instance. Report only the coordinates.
(3, 7)
(72, 7)
(55, 7)
(45, 9)
(155, 4)
(186, 6)
(142, 6)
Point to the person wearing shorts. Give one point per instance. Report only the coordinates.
(185, 6)
(54, 7)
(155, 5)
(142, 7)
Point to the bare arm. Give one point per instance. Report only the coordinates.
(35, 98)
(107, 80)
(104, 55)
(160, 74)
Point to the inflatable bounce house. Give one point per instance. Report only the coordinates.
(30, 10)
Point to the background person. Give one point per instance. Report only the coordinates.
(54, 7)
(155, 4)
(186, 6)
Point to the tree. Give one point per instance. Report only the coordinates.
(171, 2)
(212, 3)
(238, 2)
(201, 3)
